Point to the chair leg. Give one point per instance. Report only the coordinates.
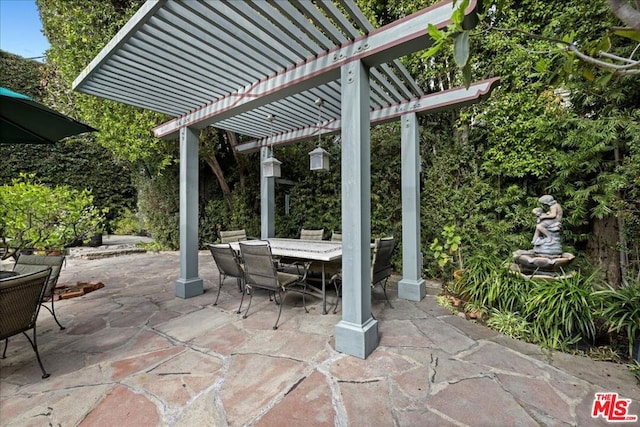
(338, 297)
(275, 297)
(245, 291)
(34, 345)
(220, 280)
(246, 313)
(384, 289)
(304, 298)
(52, 310)
(6, 343)
(280, 310)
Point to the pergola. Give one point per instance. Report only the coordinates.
(232, 64)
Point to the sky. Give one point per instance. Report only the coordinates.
(21, 29)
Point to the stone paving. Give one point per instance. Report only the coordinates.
(133, 354)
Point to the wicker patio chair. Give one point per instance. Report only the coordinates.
(260, 272)
(32, 263)
(228, 264)
(20, 298)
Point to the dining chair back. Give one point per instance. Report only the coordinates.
(381, 268)
(20, 298)
(306, 234)
(33, 263)
(230, 236)
(260, 272)
(381, 264)
(228, 264)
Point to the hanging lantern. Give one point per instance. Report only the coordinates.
(271, 165)
(319, 158)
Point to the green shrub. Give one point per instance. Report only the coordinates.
(634, 367)
(511, 324)
(487, 281)
(445, 302)
(159, 203)
(561, 310)
(620, 308)
(128, 223)
(33, 215)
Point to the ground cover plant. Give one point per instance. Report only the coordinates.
(578, 313)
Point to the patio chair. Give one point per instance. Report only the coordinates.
(20, 298)
(306, 234)
(288, 263)
(233, 236)
(381, 264)
(381, 268)
(260, 272)
(32, 263)
(228, 264)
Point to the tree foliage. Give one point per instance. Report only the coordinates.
(76, 162)
(21, 75)
(605, 47)
(77, 30)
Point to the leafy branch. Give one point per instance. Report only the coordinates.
(597, 54)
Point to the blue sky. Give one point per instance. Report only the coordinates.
(21, 29)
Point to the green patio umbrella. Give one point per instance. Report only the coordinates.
(23, 120)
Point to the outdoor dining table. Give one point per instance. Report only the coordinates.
(320, 251)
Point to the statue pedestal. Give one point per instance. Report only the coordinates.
(532, 264)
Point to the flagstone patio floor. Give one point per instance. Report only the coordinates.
(133, 354)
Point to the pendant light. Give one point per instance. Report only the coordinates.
(319, 158)
(271, 165)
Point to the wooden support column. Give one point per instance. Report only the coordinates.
(189, 284)
(267, 200)
(412, 285)
(357, 333)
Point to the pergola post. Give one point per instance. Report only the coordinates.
(189, 284)
(357, 333)
(267, 200)
(412, 285)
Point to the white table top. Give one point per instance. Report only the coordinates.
(313, 250)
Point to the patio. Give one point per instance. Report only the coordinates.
(270, 66)
(133, 354)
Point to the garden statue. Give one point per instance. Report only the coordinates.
(546, 259)
(546, 239)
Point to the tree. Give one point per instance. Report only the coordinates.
(76, 161)
(581, 52)
(77, 31)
